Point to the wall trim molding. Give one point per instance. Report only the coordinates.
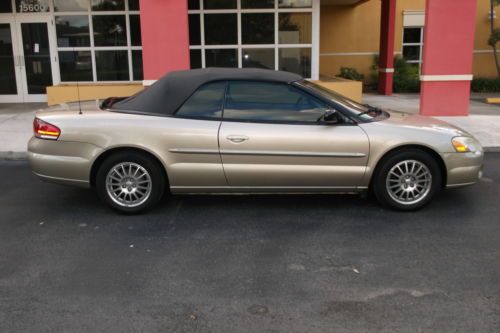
(434, 78)
(147, 83)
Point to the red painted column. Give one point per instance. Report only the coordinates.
(447, 57)
(386, 53)
(165, 37)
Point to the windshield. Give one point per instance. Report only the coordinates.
(360, 111)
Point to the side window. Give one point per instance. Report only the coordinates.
(270, 102)
(206, 102)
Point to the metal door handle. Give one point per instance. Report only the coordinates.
(237, 138)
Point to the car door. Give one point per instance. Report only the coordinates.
(272, 138)
(192, 141)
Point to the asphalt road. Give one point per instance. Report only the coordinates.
(329, 263)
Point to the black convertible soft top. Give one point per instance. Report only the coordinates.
(167, 94)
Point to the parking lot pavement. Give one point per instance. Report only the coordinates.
(330, 263)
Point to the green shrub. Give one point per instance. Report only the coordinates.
(350, 74)
(406, 76)
(486, 85)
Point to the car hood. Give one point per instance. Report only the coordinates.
(412, 121)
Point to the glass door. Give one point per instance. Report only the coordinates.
(10, 73)
(38, 63)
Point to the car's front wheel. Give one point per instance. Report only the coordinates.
(407, 180)
(130, 182)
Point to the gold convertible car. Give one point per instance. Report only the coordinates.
(247, 131)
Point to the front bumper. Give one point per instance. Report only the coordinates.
(463, 168)
(62, 162)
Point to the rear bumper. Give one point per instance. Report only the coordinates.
(62, 162)
(463, 168)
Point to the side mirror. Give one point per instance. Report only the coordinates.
(331, 116)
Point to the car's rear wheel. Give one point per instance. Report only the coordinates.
(407, 180)
(130, 182)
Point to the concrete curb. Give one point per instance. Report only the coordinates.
(22, 155)
(13, 155)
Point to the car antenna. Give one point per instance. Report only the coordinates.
(77, 85)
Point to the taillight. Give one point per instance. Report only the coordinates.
(44, 130)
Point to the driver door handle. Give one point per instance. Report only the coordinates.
(237, 138)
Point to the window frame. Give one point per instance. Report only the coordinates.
(420, 44)
(314, 10)
(92, 48)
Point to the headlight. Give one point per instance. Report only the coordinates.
(464, 144)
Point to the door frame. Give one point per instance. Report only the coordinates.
(14, 98)
(36, 18)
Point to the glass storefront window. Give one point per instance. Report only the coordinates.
(257, 28)
(194, 29)
(242, 33)
(135, 30)
(257, 4)
(72, 30)
(70, 5)
(221, 29)
(98, 5)
(195, 58)
(133, 4)
(75, 65)
(137, 65)
(295, 3)
(109, 30)
(295, 60)
(221, 58)
(295, 28)
(32, 6)
(258, 58)
(112, 65)
(5, 7)
(219, 4)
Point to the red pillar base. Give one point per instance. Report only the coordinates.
(446, 98)
(385, 80)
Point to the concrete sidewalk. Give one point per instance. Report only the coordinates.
(484, 121)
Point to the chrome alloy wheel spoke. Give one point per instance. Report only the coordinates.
(128, 184)
(409, 182)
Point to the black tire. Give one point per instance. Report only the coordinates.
(387, 198)
(154, 173)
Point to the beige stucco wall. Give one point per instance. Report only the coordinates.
(356, 29)
(70, 92)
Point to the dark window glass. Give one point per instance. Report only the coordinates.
(7, 68)
(296, 61)
(133, 5)
(108, 4)
(112, 65)
(72, 30)
(257, 28)
(109, 30)
(135, 30)
(411, 52)
(258, 58)
(194, 29)
(75, 65)
(219, 4)
(221, 58)
(257, 4)
(193, 4)
(5, 6)
(264, 101)
(220, 29)
(137, 65)
(295, 3)
(411, 35)
(195, 58)
(295, 28)
(70, 5)
(31, 6)
(206, 102)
